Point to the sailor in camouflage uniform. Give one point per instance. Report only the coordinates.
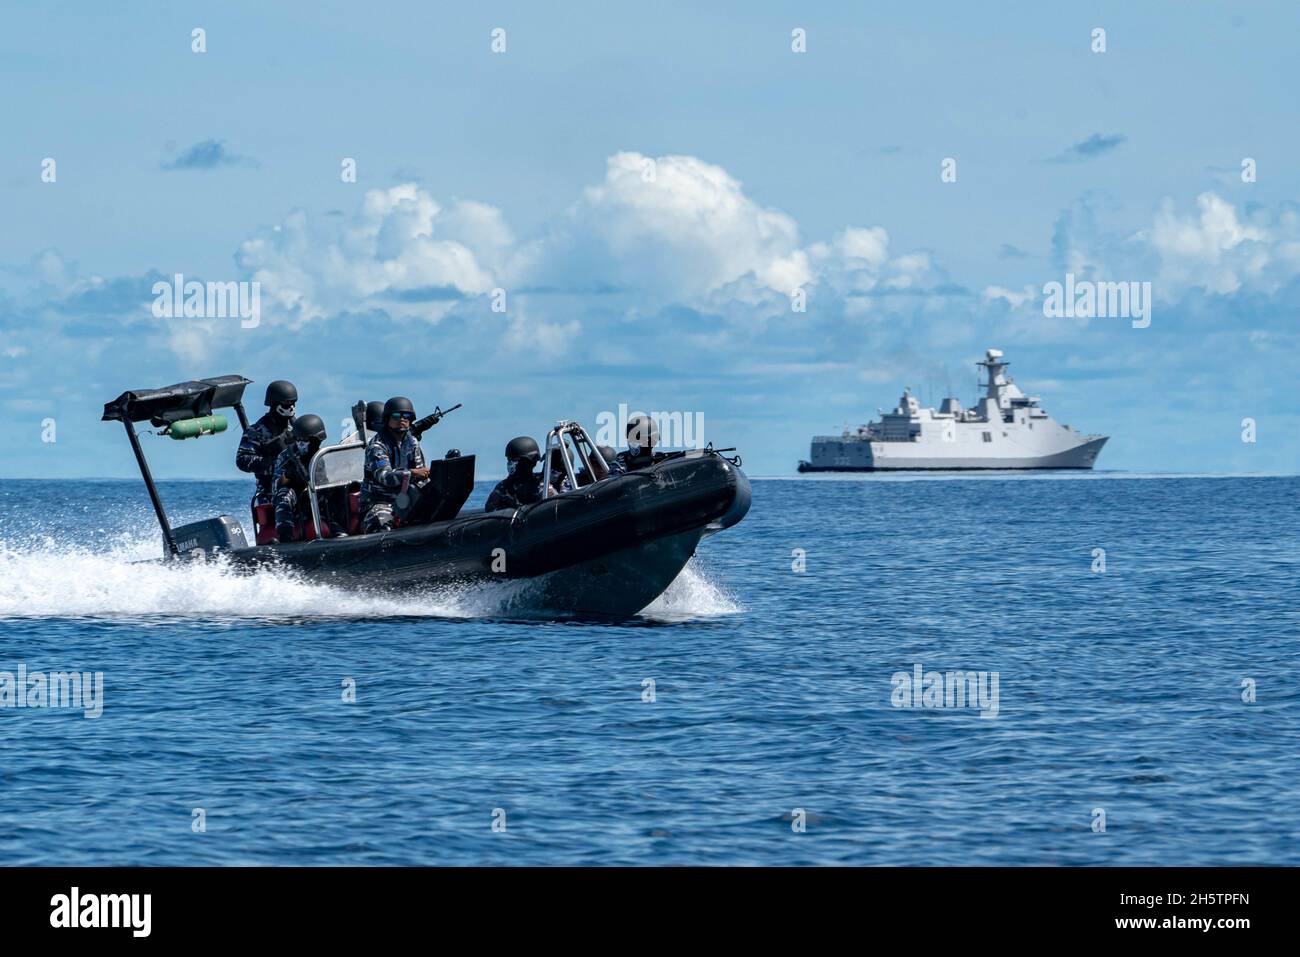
(559, 477)
(291, 482)
(606, 453)
(394, 460)
(522, 485)
(642, 437)
(265, 439)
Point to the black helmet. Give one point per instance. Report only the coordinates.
(309, 428)
(606, 453)
(642, 432)
(374, 415)
(397, 404)
(281, 392)
(523, 447)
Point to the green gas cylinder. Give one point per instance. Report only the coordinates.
(193, 428)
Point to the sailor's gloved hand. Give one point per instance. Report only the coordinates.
(420, 426)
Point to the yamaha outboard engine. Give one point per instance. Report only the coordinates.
(209, 536)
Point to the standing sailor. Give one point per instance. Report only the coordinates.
(394, 460)
(265, 439)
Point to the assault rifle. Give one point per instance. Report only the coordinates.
(420, 426)
(707, 450)
(296, 473)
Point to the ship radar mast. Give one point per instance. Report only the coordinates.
(995, 366)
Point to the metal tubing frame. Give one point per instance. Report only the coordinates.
(168, 537)
(586, 450)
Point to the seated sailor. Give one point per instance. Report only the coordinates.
(374, 417)
(585, 477)
(394, 460)
(642, 437)
(559, 477)
(265, 439)
(290, 496)
(520, 486)
(375, 420)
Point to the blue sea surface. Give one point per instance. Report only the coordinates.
(1158, 696)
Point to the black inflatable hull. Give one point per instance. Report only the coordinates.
(607, 549)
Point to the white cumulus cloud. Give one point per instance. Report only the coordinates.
(668, 230)
(401, 245)
(1213, 249)
(682, 229)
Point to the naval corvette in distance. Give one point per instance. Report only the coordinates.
(1006, 430)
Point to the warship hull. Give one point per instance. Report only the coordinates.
(836, 455)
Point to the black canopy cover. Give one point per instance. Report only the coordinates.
(184, 400)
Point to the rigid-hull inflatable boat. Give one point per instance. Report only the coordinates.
(605, 548)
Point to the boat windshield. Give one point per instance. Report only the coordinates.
(336, 465)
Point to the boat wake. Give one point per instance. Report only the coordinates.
(46, 578)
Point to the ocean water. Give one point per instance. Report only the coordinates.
(1161, 694)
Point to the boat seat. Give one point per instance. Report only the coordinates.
(264, 523)
(306, 531)
(354, 513)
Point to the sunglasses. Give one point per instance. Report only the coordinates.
(408, 416)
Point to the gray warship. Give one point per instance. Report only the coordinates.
(1006, 430)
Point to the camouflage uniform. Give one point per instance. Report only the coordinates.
(287, 496)
(559, 483)
(288, 466)
(516, 489)
(629, 461)
(587, 477)
(559, 477)
(253, 455)
(389, 460)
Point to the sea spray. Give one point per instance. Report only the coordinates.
(692, 594)
(43, 578)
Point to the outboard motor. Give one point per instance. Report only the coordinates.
(209, 536)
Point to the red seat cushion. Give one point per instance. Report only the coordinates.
(354, 513)
(264, 524)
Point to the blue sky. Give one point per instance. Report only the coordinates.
(525, 170)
